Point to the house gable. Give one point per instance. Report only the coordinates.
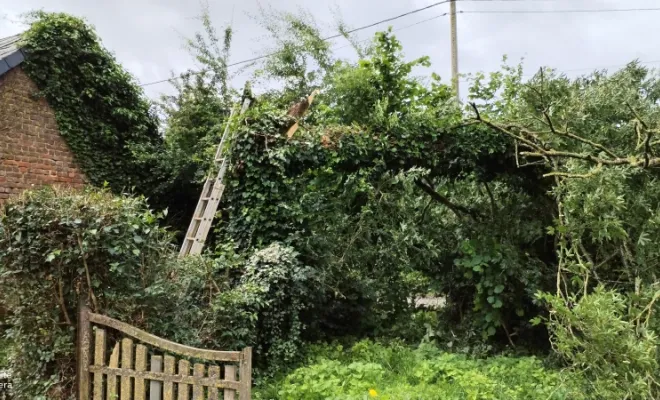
(32, 151)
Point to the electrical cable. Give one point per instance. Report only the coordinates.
(324, 39)
(246, 61)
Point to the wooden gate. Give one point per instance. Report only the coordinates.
(126, 363)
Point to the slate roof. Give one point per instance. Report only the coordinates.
(10, 53)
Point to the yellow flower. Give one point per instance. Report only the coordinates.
(373, 392)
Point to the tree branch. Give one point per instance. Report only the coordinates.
(637, 117)
(543, 151)
(579, 138)
(493, 205)
(569, 175)
(89, 280)
(456, 208)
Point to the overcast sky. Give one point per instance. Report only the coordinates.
(145, 35)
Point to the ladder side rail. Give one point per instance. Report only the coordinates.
(207, 219)
(206, 207)
(199, 211)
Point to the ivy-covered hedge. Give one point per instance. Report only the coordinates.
(57, 244)
(101, 112)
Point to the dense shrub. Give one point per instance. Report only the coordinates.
(396, 372)
(57, 245)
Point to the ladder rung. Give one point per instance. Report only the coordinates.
(190, 238)
(197, 218)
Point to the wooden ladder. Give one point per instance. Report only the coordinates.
(208, 202)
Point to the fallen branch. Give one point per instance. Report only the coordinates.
(570, 175)
(542, 150)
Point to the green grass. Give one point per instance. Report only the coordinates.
(398, 372)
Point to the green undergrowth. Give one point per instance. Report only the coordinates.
(374, 370)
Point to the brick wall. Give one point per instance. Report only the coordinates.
(32, 152)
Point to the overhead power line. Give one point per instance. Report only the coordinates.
(324, 39)
(602, 10)
(371, 25)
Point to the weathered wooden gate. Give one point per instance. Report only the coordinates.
(141, 366)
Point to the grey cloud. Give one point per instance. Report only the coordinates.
(145, 35)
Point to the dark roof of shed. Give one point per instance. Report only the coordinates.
(10, 53)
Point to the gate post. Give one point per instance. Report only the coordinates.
(83, 346)
(245, 372)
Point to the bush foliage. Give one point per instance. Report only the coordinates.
(395, 372)
(58, 244)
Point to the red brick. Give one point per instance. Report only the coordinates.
(32, 152)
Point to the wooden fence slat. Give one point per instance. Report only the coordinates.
(245, 392)
(156, 387)
(127, 364)
(99, 359)
(112, 379)
(162, 377)
(184, 370)
(84, 345)
(140, 365)
(230, 375)
(168, 392)
(214, 372)
(198, 389)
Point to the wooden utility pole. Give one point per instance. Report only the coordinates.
(454, 48)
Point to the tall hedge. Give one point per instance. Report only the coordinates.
(56, 245)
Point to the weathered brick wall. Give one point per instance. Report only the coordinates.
(32, 152)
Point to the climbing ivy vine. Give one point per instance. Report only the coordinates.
(101, 112)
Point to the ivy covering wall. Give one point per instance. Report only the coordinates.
(101, 112)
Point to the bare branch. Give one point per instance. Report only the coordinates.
(493, 205)
(653, 162)
(569, 175)
(647, 148)
(458, 209)
(639, 136)
(578, 138)
(476, 111)
(547, 118)
(503, 130)
(637, 117)
(515, 142)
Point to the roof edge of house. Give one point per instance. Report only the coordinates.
(13, 57)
